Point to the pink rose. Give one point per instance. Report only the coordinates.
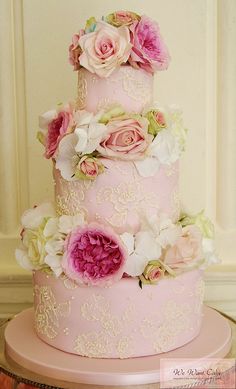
(125, 139)
(105, 49)
(90, 167)
(94, 255)
(122, 18)
(149, 51)
(187, 250)
(153, 272)
(57, 128)
(75, 50)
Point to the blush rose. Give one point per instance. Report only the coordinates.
(105, 49)
(187, 251)
(125, 139)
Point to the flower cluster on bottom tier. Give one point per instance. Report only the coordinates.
(94, 254)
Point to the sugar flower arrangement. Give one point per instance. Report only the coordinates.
(94, 254)
(122, 37)
(78, 141)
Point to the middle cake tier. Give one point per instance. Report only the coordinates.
(120, 197)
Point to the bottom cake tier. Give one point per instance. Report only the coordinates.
(121, 321)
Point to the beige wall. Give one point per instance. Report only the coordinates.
(35, 75)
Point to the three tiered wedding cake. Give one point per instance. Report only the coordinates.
(117, 267)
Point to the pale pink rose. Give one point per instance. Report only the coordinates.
(125, 139)
(160, 118)
(94, 255)
(149, 51)
(75, 50)
(90, 167)
(105, 49)
(122, 18)
(57, 128)
(187, 250)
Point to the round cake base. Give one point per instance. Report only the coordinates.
(26, 349)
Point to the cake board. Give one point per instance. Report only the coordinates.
(26, 349)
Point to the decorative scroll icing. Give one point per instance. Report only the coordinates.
(68, 283)
(199, 293)
(48, 311)
(175, 204)
(126, 197)
(175, 319)
(81, 90)
(135, 88)
(100, 344)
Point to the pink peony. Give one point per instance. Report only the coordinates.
(57, 128)
(187, 250)
(75, 50)
(94, 255)
(125, 139)
(105, 49)
(149, 51)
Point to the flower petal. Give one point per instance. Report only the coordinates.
(23, 259)
(54, 262)
(51, 227)
(68, 223)
(135, 265)
(128, 240)
(46, 118)
(147, 167)
(32, 218)
(66, 156)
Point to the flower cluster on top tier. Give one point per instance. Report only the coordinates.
(94, 254)
(122, 37)
(78, 140)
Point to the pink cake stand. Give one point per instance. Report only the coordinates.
(27, 350)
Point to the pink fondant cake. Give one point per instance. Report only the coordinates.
(117, 267)
(112, 322)
(130, 87)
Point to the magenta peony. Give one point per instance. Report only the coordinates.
(57, 128)
(75, 50)
(149, 51)
(125, 139)
(187, 251)
(94, 255)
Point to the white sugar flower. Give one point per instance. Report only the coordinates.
(67, 223)
(141, 249)
(210, 257)
(163, 150)
(33, 217)
(85, 139)
(67, 158)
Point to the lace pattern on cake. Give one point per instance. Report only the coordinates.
(68, 283)
(81, 90)
(125, 198)
(164, 334)
(111, 334)
(138, 89)
(199, 294)
(48, 311)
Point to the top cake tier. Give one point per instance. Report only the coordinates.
(129, 87)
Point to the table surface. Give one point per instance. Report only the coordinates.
(20, 374)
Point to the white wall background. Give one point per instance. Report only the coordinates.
(35, 75)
